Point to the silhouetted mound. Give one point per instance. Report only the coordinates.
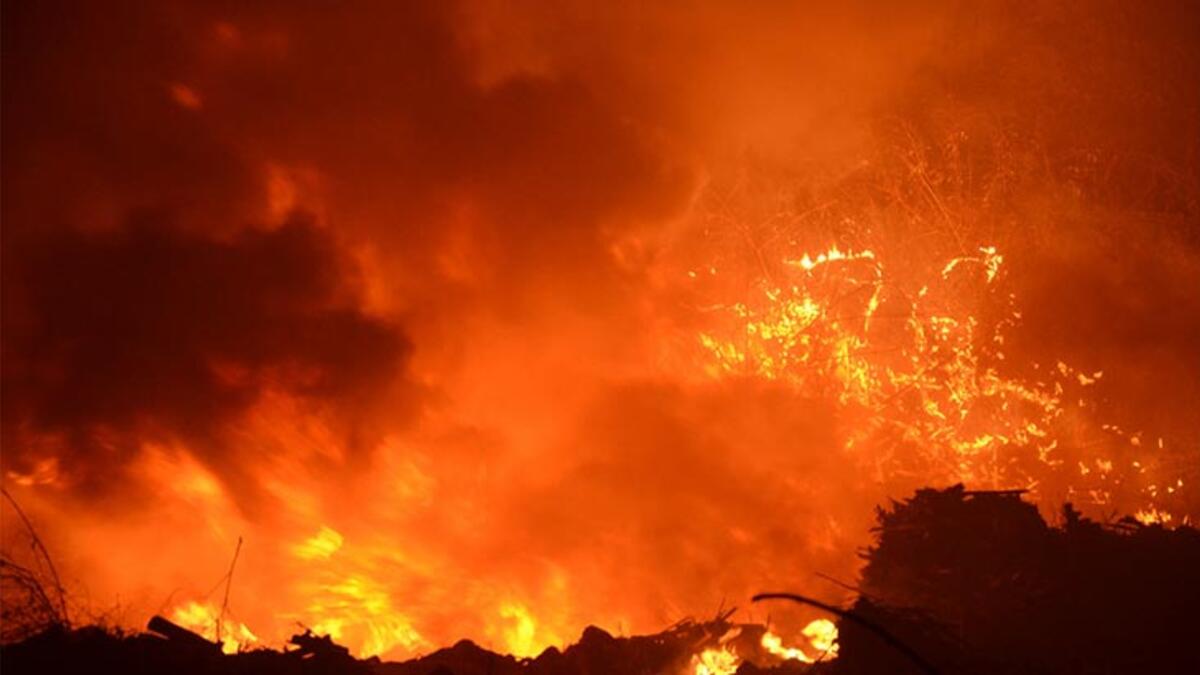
(977, 582)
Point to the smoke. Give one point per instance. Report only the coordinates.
(418, 272)
(149, 333)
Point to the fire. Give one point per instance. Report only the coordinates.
(716, 661)
(1153, 516)
(205, 619)
(360, 609)
(520, 632)
(821, 635)
(774, 644)
(918, 364)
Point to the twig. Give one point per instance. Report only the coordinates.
(27, 579)
(228, 583)
(41, 548)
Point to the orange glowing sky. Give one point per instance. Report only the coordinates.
(455, 311)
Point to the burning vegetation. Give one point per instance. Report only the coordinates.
(485, 325)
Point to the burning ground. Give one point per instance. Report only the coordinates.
(492, 322)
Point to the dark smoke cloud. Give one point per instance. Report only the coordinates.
(129, 327)
(91, 131)
(387, 111)
(148, 332)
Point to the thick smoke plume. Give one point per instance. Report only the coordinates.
(149, 333)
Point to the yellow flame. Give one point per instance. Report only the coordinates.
(202, 619)
(719, 661)
(360, 605)
(520, 631)
(821, 635)
(1153, 516)
(774, 645)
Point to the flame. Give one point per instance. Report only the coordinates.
(1153, 516)
(359, 609)
(203, 619)
(920, 367)
(821, 635)
(715, 661)
(521, 633)
(723, 659)
(774, 645)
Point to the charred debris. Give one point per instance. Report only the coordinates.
(956, 582)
